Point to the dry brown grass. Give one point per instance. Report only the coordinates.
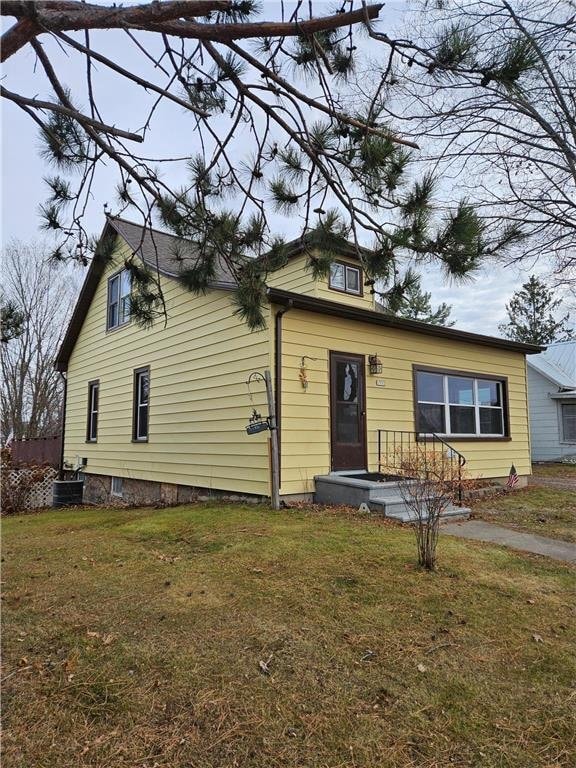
(214, 637)
(546, 511)
(555, 470)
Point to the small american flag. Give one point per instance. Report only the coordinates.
(512, 478)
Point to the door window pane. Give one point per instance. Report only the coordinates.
(460, 391)
(462, 420)
(347, 382)
(431, 418)
(347, 427)
(430, 387)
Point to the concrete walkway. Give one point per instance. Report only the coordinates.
(527, 542)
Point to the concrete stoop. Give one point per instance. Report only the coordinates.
(382, 498)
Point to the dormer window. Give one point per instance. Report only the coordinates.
(118, 299)
(345, 278)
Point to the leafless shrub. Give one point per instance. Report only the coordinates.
(432, 480)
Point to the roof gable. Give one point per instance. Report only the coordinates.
(160, 251)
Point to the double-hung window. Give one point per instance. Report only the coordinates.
(460, 405)
(345, 278)
(119, 286)
(568, 422)
(92, 425)
(141, 401)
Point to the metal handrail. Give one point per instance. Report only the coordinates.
(461, 457)
(402, 443)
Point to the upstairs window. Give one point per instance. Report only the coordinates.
(459, 405)
(345, 278)
(119, 286)
(141, 398)
(92, 426)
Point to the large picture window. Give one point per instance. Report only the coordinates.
(92, 425)
(345, 278)
(569, 422)
(141, 402)
(119, 286)
(459, 405)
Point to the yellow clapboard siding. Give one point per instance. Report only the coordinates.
(199, 403)
(296, 277)
(305, 414)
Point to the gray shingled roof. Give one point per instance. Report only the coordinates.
(166, 252)
(159, 250)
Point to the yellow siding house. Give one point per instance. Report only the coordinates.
(160, 414)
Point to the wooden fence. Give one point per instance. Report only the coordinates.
(37, 450)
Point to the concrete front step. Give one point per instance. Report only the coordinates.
(345, 489)
(381, 497)
(399, 510)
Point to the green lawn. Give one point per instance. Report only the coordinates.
(221, 636)
(546, 511)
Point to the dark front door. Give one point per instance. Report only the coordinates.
(347, 411)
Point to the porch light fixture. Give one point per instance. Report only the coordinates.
(374, 365)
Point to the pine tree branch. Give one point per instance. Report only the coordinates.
(36, 18)
(24, 101)
(270, 75)
(130, 75)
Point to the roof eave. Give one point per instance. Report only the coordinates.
(569, 395)
(322, 306)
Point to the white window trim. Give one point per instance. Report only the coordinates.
(565, 440)
(138, 405)
(114, 492)
(118, 303)
(94, 387)
(346, 289)
(476, 406)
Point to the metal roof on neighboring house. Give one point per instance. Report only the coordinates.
(557, 363)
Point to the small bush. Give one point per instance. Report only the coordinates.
(432, 480)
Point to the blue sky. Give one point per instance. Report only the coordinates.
(478, 305)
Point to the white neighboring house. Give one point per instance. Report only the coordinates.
(552, 402)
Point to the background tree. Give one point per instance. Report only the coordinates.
(43, 296)
(417, 305)
(334, 167)
(532, 315)
(496, 111)
(11, 319)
